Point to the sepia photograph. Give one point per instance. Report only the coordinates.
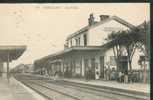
(75, 51)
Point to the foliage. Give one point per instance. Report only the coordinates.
(130, 40)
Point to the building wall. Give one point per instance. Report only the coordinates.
(76, 61)
(98, 34)
(135, 60)
(107, 55)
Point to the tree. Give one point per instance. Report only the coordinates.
(144, 45)
(124, 39)
(131, 40)
(116, 46)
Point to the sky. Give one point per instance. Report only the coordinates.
(44, 27)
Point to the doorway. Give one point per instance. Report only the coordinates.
(102, 67)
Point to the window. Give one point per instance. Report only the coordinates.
(142, 58)
(67, 44)
(71, 42)
(93, 63)
(85, 39)
(77, 67)
(77, 40)
(86, 63)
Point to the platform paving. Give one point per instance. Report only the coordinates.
(138, 87)
(14, 90)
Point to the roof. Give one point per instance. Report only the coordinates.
(13, 50)
(12, 47)
(55, 61)
(142, 25)
(86, 28)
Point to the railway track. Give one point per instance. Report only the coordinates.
(48, 92)
(87, 92)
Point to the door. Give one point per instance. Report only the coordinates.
(102, 67)
(93, 68)
(123, 64)
(86, 67)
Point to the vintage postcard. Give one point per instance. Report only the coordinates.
(65, 51)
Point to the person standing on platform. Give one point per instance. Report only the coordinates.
(107, 74)
(126, 76)
(120, 76)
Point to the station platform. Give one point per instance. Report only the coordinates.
(135, 87)
(14, 90)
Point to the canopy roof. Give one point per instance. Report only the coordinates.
(11, 51)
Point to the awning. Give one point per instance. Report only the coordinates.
(75, 48)
(13, 51)
(55, 61)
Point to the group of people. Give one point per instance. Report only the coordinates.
(123, 76)
(109, 74)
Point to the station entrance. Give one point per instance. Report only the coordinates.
(123, 64)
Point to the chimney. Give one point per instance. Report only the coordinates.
(91, 19)
(103, 17)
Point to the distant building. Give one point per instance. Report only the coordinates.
(18, 69)
(23, 68)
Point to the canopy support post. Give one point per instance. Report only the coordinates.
(8, 60)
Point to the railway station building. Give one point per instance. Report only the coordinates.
(87, 50)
